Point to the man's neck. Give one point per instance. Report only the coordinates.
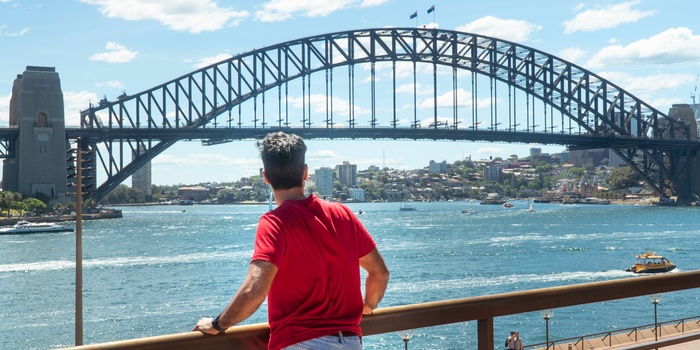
(296, 193)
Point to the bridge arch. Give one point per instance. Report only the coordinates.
(593, 112)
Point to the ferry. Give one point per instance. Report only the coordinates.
(33, 227)
(650, 262)
(406, 207)
(493, 198)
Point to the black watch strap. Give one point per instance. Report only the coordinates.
(215, 324)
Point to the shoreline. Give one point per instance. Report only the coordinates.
(104, 214)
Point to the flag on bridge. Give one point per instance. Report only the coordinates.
(431, 9)
(413, 15)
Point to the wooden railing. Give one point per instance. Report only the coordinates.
(483, 309)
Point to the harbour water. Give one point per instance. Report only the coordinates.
(159, 269)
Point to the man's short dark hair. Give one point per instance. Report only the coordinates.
(284, 157)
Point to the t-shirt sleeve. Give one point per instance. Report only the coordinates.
(270, 240)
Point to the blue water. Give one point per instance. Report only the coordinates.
(158, 270)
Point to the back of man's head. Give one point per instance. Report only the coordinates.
(284, 157)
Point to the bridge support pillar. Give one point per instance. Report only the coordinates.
(36, 110)
(684, 162)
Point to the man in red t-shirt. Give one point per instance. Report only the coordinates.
(307, 259)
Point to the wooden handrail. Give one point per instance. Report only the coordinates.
(481, 308)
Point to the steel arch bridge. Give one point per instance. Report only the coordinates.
(515, 94)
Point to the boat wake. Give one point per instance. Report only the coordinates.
(534, 279)
(130, 261)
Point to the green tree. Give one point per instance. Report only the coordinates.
(227, 195)
(124, 194)
(622, 178)
(34, 205)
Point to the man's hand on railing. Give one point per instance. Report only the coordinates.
(205, 326)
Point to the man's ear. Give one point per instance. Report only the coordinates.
(306, 172)
(265, 177)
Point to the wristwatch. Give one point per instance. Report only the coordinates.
(215, 324)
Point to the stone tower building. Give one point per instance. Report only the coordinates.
(36, 109)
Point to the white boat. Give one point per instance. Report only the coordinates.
(529, 206)
(33, 227)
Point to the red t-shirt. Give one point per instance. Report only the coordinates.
(316, 246)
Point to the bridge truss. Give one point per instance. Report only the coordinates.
(392, 83)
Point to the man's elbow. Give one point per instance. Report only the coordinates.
(383, 274)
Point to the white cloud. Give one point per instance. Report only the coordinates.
(606, 17)
(495, 151)
(116, 84)
(4, 32)
(318, 105)
(420, 89)
(116, 53)
(572, 54)
(206, 61)
(372, 3)
(194, 16)
(507, 29)
(281, 10)
(204, 159)
(645, 87)
(74, 102)
(322, 154)
(674, 45)
(446, 100)
(464, 99)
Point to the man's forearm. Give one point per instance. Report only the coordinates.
(375, 286)
(250, 296)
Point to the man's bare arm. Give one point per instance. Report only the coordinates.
(248, 299)
(377, 279)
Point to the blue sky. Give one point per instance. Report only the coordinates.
(103, 47)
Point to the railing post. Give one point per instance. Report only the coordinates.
(485, 334)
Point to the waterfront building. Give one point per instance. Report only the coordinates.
(323, 177)
(194, 193)
(347, 173)
(357, 194)
(36, 110)
(492, 172)
(436, 167)
(141, 179)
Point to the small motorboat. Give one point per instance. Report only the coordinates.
(507, 205)
(469, 211)
(32, 227)
(651, 262)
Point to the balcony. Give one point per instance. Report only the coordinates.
(482, 309)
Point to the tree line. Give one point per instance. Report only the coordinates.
(377, 183)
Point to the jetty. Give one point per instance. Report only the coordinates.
(102, 213)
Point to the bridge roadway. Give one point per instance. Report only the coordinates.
(215, 135)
